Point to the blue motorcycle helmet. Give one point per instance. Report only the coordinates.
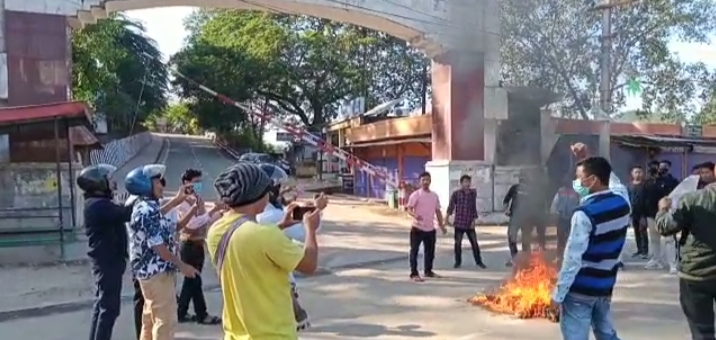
(140, 181)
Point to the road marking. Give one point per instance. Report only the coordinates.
(166, 151)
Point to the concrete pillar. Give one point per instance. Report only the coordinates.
(467, 101)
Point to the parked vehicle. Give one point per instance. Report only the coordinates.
(254, 157)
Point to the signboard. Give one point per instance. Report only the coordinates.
(352, 107)
(284, 137)
(693, 131)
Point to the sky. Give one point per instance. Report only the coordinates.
(165, 25)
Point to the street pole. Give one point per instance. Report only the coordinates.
(605, 84)
(605, 61)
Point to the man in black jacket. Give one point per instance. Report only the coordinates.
(526, 205)
(108, 253)
(694, 216)
(638, 192)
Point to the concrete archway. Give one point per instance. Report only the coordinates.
(413, 30)
(461, 36)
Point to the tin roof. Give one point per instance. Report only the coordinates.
(81, 136)
(38, 113)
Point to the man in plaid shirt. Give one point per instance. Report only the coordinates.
(463, 204)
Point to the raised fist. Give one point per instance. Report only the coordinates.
(580, 150)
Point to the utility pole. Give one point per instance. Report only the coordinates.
(605, 66)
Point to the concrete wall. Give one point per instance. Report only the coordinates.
(29, 200)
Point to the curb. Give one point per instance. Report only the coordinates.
(74, 306)
(226, 149)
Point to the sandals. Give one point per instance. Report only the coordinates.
(187, 318)
(209, 320)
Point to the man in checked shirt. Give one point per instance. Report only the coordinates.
(463, 204)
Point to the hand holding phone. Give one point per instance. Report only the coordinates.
(300, 211)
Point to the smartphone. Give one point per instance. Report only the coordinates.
(298, 212)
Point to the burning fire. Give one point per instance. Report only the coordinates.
(528, 294)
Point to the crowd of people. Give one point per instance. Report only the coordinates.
(256, 239)
(161, 236)
(670, 228)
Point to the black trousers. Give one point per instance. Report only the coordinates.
(472, 238)
(697, 301)
(427, 239)
(525, 225)
(192, 253)
(138, 301)
(641, 236)
(108, 282)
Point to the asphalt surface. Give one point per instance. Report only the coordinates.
(185, 152)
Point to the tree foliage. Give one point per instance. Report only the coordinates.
(555, 44)
(175, 118)
(297, 67)
(117, 69)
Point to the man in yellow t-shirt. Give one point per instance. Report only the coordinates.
(254, 260)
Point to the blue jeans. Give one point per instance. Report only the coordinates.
(579, 312)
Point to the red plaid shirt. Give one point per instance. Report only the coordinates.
(464, 204)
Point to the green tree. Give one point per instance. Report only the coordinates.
(555, 44)
(296, 66)
(118, 70)
(176, 117)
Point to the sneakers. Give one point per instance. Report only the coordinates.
(673, 269)
(481, 265)
(509, 263)
(654, 264)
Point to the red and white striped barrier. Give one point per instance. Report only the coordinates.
(301, 134)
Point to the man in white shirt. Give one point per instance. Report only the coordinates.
(193, 220)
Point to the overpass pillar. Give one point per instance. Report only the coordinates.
(35, 58)
(467, 101)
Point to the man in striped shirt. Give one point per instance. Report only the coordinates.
(592, 255)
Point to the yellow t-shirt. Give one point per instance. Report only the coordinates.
(254, 280)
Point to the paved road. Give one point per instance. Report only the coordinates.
(364, 292)
(196, 153)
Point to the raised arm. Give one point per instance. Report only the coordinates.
(671, 222)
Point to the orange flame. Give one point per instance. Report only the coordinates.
(528, 294)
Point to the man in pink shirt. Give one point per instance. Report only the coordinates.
(424, 208)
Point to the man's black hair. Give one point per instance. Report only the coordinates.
(705, 165)
(665, 161)
(424, 174)
(637, 166)
(597, 166)
(190, 174)
(654, 163)
(465, 178)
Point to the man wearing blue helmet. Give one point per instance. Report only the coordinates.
(153, 251)
(104, 225)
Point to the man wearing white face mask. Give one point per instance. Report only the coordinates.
(192, 236)
(592, 254)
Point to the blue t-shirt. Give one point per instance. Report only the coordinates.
(148, 229)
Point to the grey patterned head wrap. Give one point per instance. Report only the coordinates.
(242, 184)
